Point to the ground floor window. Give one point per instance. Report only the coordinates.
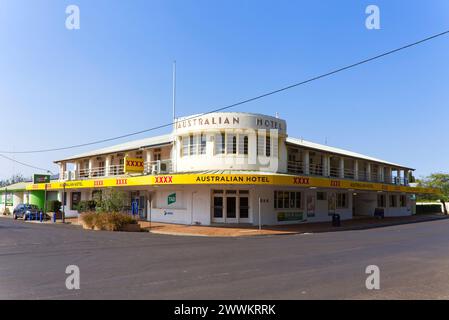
(403, 200)
(76, 198)
(342, 200)
(381, 201)
(287, 200)
(393, 201)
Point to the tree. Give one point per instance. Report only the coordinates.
(438, 181)
(15, 178)
(111, 200)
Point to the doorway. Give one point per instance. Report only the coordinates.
(230, 206)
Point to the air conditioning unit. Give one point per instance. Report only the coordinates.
(154, 169)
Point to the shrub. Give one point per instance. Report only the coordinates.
(107, 221)
(111, 200)
(89, 219)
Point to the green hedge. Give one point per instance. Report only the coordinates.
(428, 208)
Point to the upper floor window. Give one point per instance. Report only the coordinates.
(193, 145)
(220, 143)
(202, 144)
(267, 146)
(185, 146)
(232, 144)
(243, 144)
(263, 144)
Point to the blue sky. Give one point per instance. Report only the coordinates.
(61, 87)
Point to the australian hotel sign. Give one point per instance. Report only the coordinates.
(230, 179)
(229, 120)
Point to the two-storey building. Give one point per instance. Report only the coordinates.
(235, 167)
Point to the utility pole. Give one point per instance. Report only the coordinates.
(174, 92)
(175, 147)
(45, 199)
(6, 197)
(63, 202)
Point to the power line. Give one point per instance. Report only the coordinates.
(24, 164)
(241, 102)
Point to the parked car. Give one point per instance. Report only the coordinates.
(26, 212)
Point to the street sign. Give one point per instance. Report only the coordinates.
(41, 178)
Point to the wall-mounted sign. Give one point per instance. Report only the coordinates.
(229, 120)
(41, 178)
(133, 165)
(234, 179)
(290, 216)
(171, 198)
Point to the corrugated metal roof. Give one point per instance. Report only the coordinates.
(136, 144)
(321, 147)
(16, 186)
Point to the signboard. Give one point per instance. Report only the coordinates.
(231, 179)
(290, 216)
(227, 120)
(41, 178)
(134, 165)
(171, 198)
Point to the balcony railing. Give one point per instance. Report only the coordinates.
(152, 167)
(298, 167)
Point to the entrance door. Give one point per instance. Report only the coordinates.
(230, 206)
(231, 209)
(142, 207)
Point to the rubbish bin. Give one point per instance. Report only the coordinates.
(335, 220)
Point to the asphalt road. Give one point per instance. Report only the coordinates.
(413, 261)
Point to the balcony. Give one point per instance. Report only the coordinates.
(298, 167)
(152, 167)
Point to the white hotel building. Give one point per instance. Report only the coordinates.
(227, 167)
